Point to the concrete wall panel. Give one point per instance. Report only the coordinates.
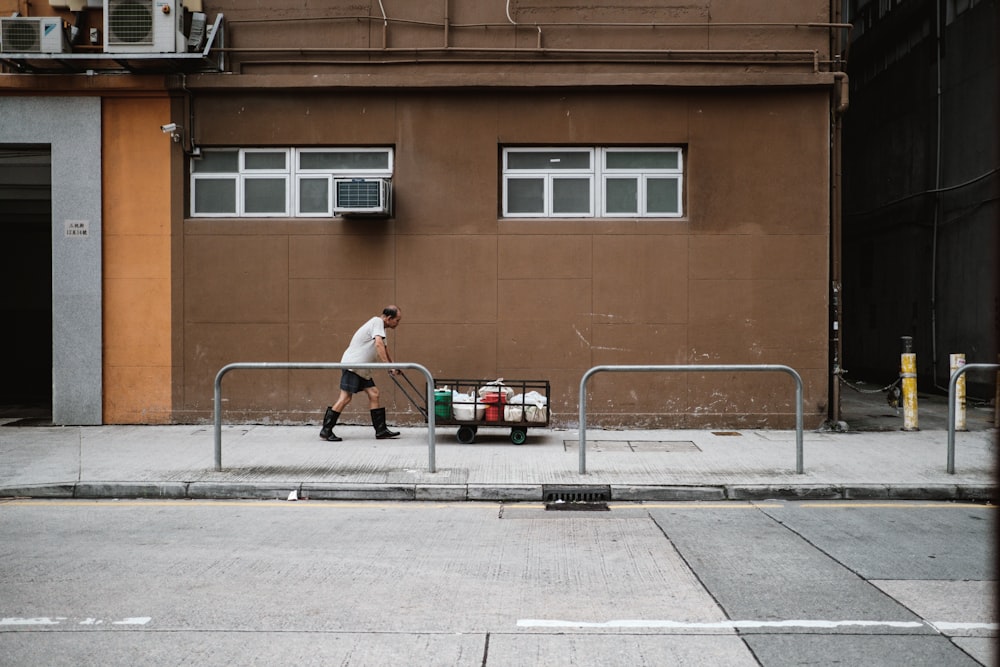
(545, 256)
(262, 119)
(655, 271)
(72, 127)
(447, 278)
(236, 279)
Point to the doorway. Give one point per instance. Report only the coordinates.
(26, 270)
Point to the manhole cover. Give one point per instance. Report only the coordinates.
(663, 446)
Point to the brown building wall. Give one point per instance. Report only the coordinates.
(744, 87)
(742, 278)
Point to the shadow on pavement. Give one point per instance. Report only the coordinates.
(865, 407)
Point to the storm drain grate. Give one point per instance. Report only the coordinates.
(576, 498)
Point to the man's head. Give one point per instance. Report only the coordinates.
(391, 315)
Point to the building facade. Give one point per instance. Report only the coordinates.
(541, 188)
(920, 200)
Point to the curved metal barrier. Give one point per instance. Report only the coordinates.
(952, 384)
(320, 365)
(692, 368)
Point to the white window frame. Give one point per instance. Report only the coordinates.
(332, 174)
(598, 173)
(328, 213)
(248, 175)
(548, 177)
(292, 176)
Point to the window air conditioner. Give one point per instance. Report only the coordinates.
(23, 34)
(362, 196)
(144, 26)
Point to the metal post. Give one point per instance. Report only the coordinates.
(431, 464)
(951, 407)
(693, 368)
(996, 400)
(908, 373)
(956, 361)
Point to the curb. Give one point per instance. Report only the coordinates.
(496, 492)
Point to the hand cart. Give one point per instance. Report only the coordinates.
(470, 404)
(417, 399)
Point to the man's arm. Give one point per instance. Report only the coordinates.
(383, 353)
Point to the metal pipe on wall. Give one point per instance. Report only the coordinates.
(839, 104)
(670, 57)
(807, 56)
(836, 243)
(937, 194)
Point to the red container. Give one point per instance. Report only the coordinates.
(494, 406)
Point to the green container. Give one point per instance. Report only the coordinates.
(442, 403)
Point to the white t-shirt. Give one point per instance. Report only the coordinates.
(362, 347)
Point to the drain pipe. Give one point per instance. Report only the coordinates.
(937, 201)
(839, 107)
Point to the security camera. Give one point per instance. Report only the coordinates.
(168, 128)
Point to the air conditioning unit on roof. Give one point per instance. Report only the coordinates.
(362, 196)
(144, 26)
(28, 34)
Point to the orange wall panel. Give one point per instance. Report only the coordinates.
(137, 260)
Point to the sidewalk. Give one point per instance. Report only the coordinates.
(873, 459)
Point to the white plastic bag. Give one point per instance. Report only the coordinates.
(513, 413)
(496, 387)
(535, 406)
(465, 407)
(536, 413)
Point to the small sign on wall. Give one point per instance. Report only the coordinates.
(77, 228)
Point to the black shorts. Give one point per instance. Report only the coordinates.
(353, 383)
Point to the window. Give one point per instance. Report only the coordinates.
(592, 182)
(278, 182)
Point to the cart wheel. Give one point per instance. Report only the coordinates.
(466, 434)
(518, 435)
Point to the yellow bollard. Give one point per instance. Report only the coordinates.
(956, 361)
(908, 374)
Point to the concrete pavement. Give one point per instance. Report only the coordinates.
(873, 459)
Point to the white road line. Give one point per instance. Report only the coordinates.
(60, 620)
(738, 624)
(31, 621)
(944, 625)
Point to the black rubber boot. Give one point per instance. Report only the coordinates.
(329, 421)
(378, 421)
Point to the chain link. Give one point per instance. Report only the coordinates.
(868, 391)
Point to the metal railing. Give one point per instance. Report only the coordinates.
(952, 384)
(696, 369)
(325, 366)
